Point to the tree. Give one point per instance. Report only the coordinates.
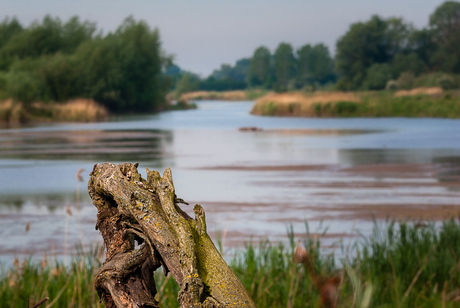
(445, 24)
(314, 64)
(375, 41)
(239, 72)
(285, 65)
(9, 28)
(123, 71)
(260, 68)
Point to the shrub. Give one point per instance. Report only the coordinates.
(377, 77)
(447, 82)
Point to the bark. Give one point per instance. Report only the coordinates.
(131, 209)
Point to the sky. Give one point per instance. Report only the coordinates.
(203, 34)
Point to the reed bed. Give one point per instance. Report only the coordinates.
(429, 102)
(77, 110)
(399, 265)
(225, 95)
(299, 103)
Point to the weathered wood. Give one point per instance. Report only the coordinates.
(132, 208)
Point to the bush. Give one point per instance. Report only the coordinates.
(377, 77)
(392, 85)
(406, 80)
(447, 82)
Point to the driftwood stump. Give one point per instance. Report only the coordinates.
(131, 209)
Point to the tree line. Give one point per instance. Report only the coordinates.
(54, 61)
(369, 56)
(127, 70)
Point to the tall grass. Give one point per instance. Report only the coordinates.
(399, 265)
(77, 110)
(416, 103)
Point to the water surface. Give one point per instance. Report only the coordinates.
(253, 184)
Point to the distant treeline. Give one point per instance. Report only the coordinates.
(369, 56)
(54, 61)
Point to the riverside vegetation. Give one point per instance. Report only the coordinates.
(399, 265)
(51, 63)
(423, 102)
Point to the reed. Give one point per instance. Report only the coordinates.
(430, 102)
(399, 265)
(77, 110)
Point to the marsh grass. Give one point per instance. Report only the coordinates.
(77, 110)
(401, 264)
(431, 102)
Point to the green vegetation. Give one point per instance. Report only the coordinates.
(399, 265)
(372, 55)
(384, 104)
(53, 62)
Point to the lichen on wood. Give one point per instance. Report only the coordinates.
(131, 209)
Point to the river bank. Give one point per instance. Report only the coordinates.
(420, 102)
(247, 95)
(15, 113)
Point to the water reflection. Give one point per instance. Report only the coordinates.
(85, 145)
(253, 182)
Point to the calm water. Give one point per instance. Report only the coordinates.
(334, 173)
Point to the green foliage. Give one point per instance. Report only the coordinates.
(362, 46)
(55, 61)
(186, 83)
(406, 80)
(398, 44)
(386, 105)
(447, 82)
(285, 66)
(314, 65)
(399, 265)
(260, 70)
(445, 25)
(239, 72)
(377, 77)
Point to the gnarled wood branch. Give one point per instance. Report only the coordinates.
(131, 208)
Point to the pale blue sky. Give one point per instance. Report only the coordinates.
(203, 34)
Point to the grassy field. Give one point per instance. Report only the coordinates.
(400, 265)
(428, 102)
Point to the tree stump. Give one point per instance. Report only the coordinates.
(131, 209)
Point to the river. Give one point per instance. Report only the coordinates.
(335, 174)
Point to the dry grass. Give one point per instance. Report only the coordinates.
(420, 91)
(81, 110)
(12, 112)
(77, 110)
(213, 95)
(299, 103)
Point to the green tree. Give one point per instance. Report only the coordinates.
(238, 72)
(260, 68)
(445, 24)
(9, 28)
(375, 41)
(314, 64)
(285, 65)
(74, 33)
(124, 70)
